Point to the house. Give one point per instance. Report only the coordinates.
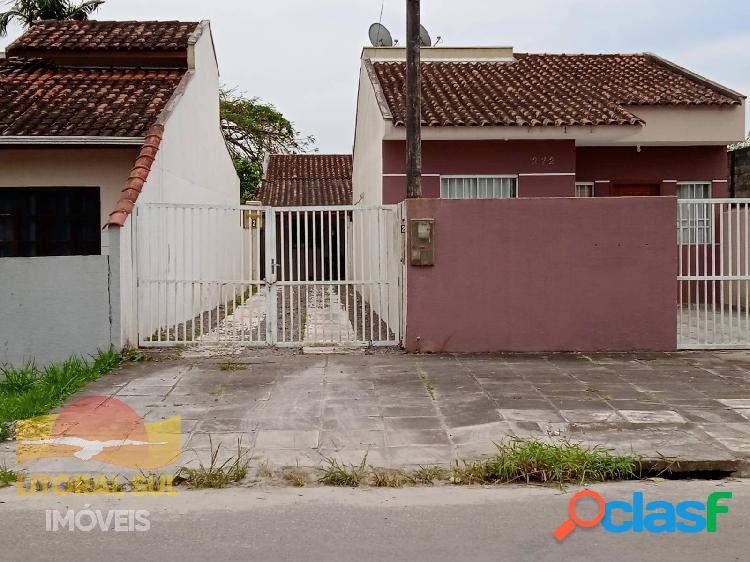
(94, 117)
(499, 124)
(301, 181)
(543, 224)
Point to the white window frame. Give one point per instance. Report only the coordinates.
(695, 221)
(586, 184)
(479, 178)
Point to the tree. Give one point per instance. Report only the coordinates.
(739, 145)
(27, 12)
(252, 130)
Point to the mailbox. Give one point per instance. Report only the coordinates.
(422, 241)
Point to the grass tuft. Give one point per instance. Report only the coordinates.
(429, 474)
(8, 477)
(132, 355)
(390, 478)
(530, 461)
(296, 476)
(28, 391)
(216, 475)
(335, 474)
(265, 470)
(4, 431)
(232, 366)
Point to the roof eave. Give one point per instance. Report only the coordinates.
(379, 95)
(737, 96)
(70, 141)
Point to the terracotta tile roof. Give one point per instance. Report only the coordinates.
(40, 99)
(545, 90)
(106, 36)
(307, 180)
(137, 179)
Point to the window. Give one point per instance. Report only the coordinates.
(584, 190)
(694, 219)
(49, 222)
(471, 187)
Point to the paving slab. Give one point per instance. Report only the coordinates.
(407, 410)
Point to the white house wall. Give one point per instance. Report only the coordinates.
(671, 126)
(367, 179)
(192, 166)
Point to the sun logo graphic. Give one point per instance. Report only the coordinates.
(103, 429)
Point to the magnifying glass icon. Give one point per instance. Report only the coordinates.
(570, 524)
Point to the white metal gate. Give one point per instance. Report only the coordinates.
(251, 275)
(714, 273)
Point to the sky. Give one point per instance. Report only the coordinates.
(303, 55)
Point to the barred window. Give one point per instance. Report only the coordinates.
(584, 190)
(694, 219)
(476, 187)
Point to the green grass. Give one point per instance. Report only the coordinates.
(391, 478)
(8, 477)
(335, 474)
(216, 474)
(28, 391)
(232, 366)
(529, 461)
(428, 474)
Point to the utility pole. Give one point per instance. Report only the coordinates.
(413, 101)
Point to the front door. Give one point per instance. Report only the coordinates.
(635, 190)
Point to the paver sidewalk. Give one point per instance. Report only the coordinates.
(404, 410)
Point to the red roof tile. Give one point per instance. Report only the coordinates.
(307, 180)
(138, 176)
(545, 90)
(106, 36)
(40, 99)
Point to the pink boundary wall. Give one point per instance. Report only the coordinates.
(546, 274)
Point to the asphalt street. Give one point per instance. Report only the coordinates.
(432, 524)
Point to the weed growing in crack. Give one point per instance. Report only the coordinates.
(429, 474)
(296, 476)
(335, 474)
(531, 461)
(391, 478)
(7, 476)
(216, 474)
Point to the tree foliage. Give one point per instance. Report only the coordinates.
(741, 144)
(252, 130)
(27, 12)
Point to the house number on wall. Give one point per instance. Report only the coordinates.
(543, 160)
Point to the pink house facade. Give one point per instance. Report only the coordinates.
(551, 187)
(544, 126)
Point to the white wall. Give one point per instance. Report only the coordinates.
(367, 180)
(192, 166)
(670, 126)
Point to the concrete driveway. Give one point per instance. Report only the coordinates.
(406, 410)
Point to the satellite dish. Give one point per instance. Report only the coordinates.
(424, 37)
(380, 36)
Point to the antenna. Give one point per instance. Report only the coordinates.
(380, 36)
(424, 37)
